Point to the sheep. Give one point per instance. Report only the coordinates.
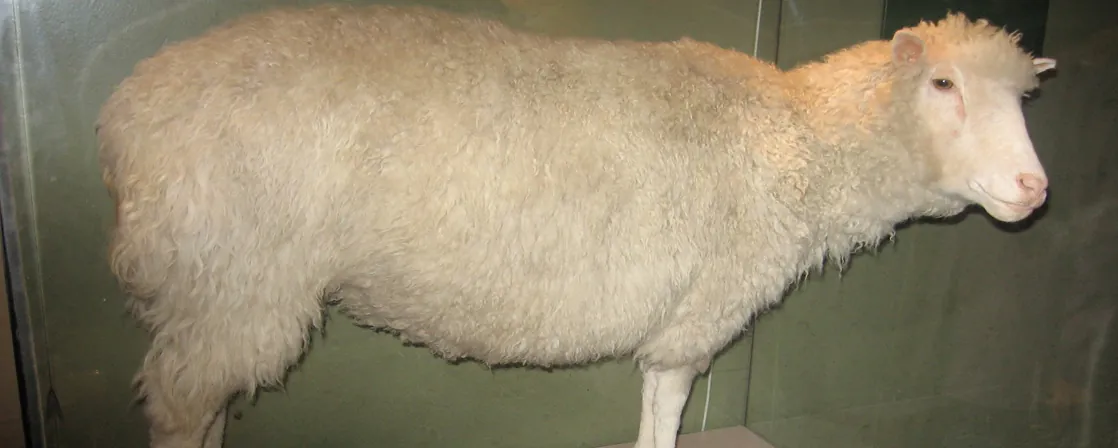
(513, 199)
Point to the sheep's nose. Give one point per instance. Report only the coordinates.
(1032, 184)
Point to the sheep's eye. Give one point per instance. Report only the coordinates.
(943, 84)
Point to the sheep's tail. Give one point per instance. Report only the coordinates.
(141, 249)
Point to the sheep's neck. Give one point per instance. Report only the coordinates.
(866, 175)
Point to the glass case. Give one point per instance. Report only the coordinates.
(968, 333)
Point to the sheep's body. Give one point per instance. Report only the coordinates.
(494, 195)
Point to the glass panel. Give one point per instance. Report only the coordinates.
(355, 388)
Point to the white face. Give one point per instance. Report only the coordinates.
(981, 143)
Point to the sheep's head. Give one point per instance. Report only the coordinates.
(966, 81)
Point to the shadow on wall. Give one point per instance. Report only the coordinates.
(1046, 320)
(1081, 396)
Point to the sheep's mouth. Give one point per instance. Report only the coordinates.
(1006, 210)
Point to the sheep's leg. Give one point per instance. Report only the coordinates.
(182, 403)
(216, 435)
(663, 396)
(645, 438)
(204, 354)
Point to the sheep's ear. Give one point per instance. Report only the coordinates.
(1042, 65)
(907, 47)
